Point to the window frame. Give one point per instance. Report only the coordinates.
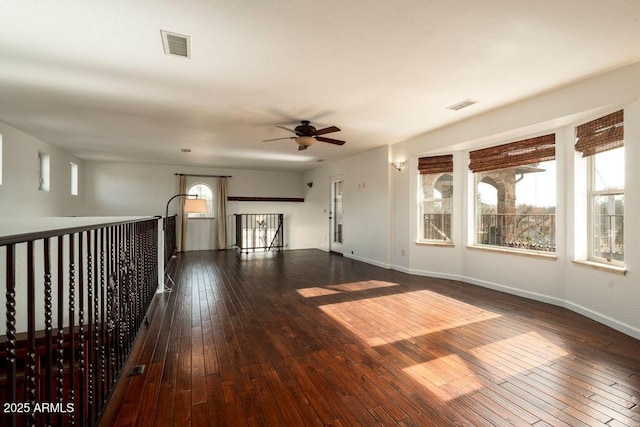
(1, 149)
(44, 171)
(75, 185)
(592, 193)
(421, 212)
(497, 159)
(210, 213)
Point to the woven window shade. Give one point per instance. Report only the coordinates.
(603, 134)
(527, 151)
(435, 164)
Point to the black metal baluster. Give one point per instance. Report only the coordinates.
(137, 261)
(108, 297)
(31, 333)
(103, 319)
(127, 296)
(119, 306)
(48, 326)
(90, 325)
(111, 306)
(60, 338)
(81, 352)
(72, 322)
(11, 330)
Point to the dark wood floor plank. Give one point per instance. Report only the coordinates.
(308, 338)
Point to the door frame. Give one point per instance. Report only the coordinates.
(334, 246)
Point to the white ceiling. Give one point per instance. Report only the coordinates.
(91, 76)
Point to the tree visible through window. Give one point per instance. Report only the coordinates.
(203, 191)
(516, 207)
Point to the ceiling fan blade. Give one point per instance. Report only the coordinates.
(285, 128)
(278, 139)
(330, 140)
(326, 130)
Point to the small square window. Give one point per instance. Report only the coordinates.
(44, 171)
(0, 159)
(74, 179)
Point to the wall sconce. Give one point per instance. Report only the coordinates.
(309, 184)
(398, 165)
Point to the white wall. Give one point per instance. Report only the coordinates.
(609, 298)
(19, 194)
(366, 204)
(144, 189)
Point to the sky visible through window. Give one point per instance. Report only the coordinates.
(535, 189)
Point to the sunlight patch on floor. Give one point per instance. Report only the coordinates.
(404, 316)
(316, 292)
(363, 286)
(448, 377)
(533, 350)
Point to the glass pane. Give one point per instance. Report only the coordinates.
(609, 169)
(437, 195)
(608, 227)
(337, 212)
(203, 191)
(516, 207)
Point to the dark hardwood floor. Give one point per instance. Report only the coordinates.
(308, 338)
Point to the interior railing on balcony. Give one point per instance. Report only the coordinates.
(74, 301)
(170, 242)
(521, 231)
(259, 232)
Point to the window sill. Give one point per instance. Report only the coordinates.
(529, 254)
(607, 268)
(426, 243)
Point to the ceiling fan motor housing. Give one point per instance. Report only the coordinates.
(305, 129)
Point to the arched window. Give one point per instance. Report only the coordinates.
(203, 191)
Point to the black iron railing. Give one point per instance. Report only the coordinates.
(520, 231)
(170, 240)
(436, 227)
(608, 239)
(75, 299)
(259, 232)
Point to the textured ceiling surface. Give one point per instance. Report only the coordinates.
(92, 78)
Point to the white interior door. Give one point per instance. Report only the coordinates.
(336, 214)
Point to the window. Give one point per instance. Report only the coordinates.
(516, 195)
(0, 159)
(601, 141)
(203, 191)
(44, 171)
(74, 179)
(436, 196)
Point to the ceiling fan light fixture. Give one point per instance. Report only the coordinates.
(305, 141)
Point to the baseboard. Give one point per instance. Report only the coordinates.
(605, 320)
(591, 314)
(368, 261)
(514, 291)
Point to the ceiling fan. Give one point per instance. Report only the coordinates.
(307, 135)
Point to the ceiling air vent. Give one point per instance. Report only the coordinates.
(461, 105)
(176, 44)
